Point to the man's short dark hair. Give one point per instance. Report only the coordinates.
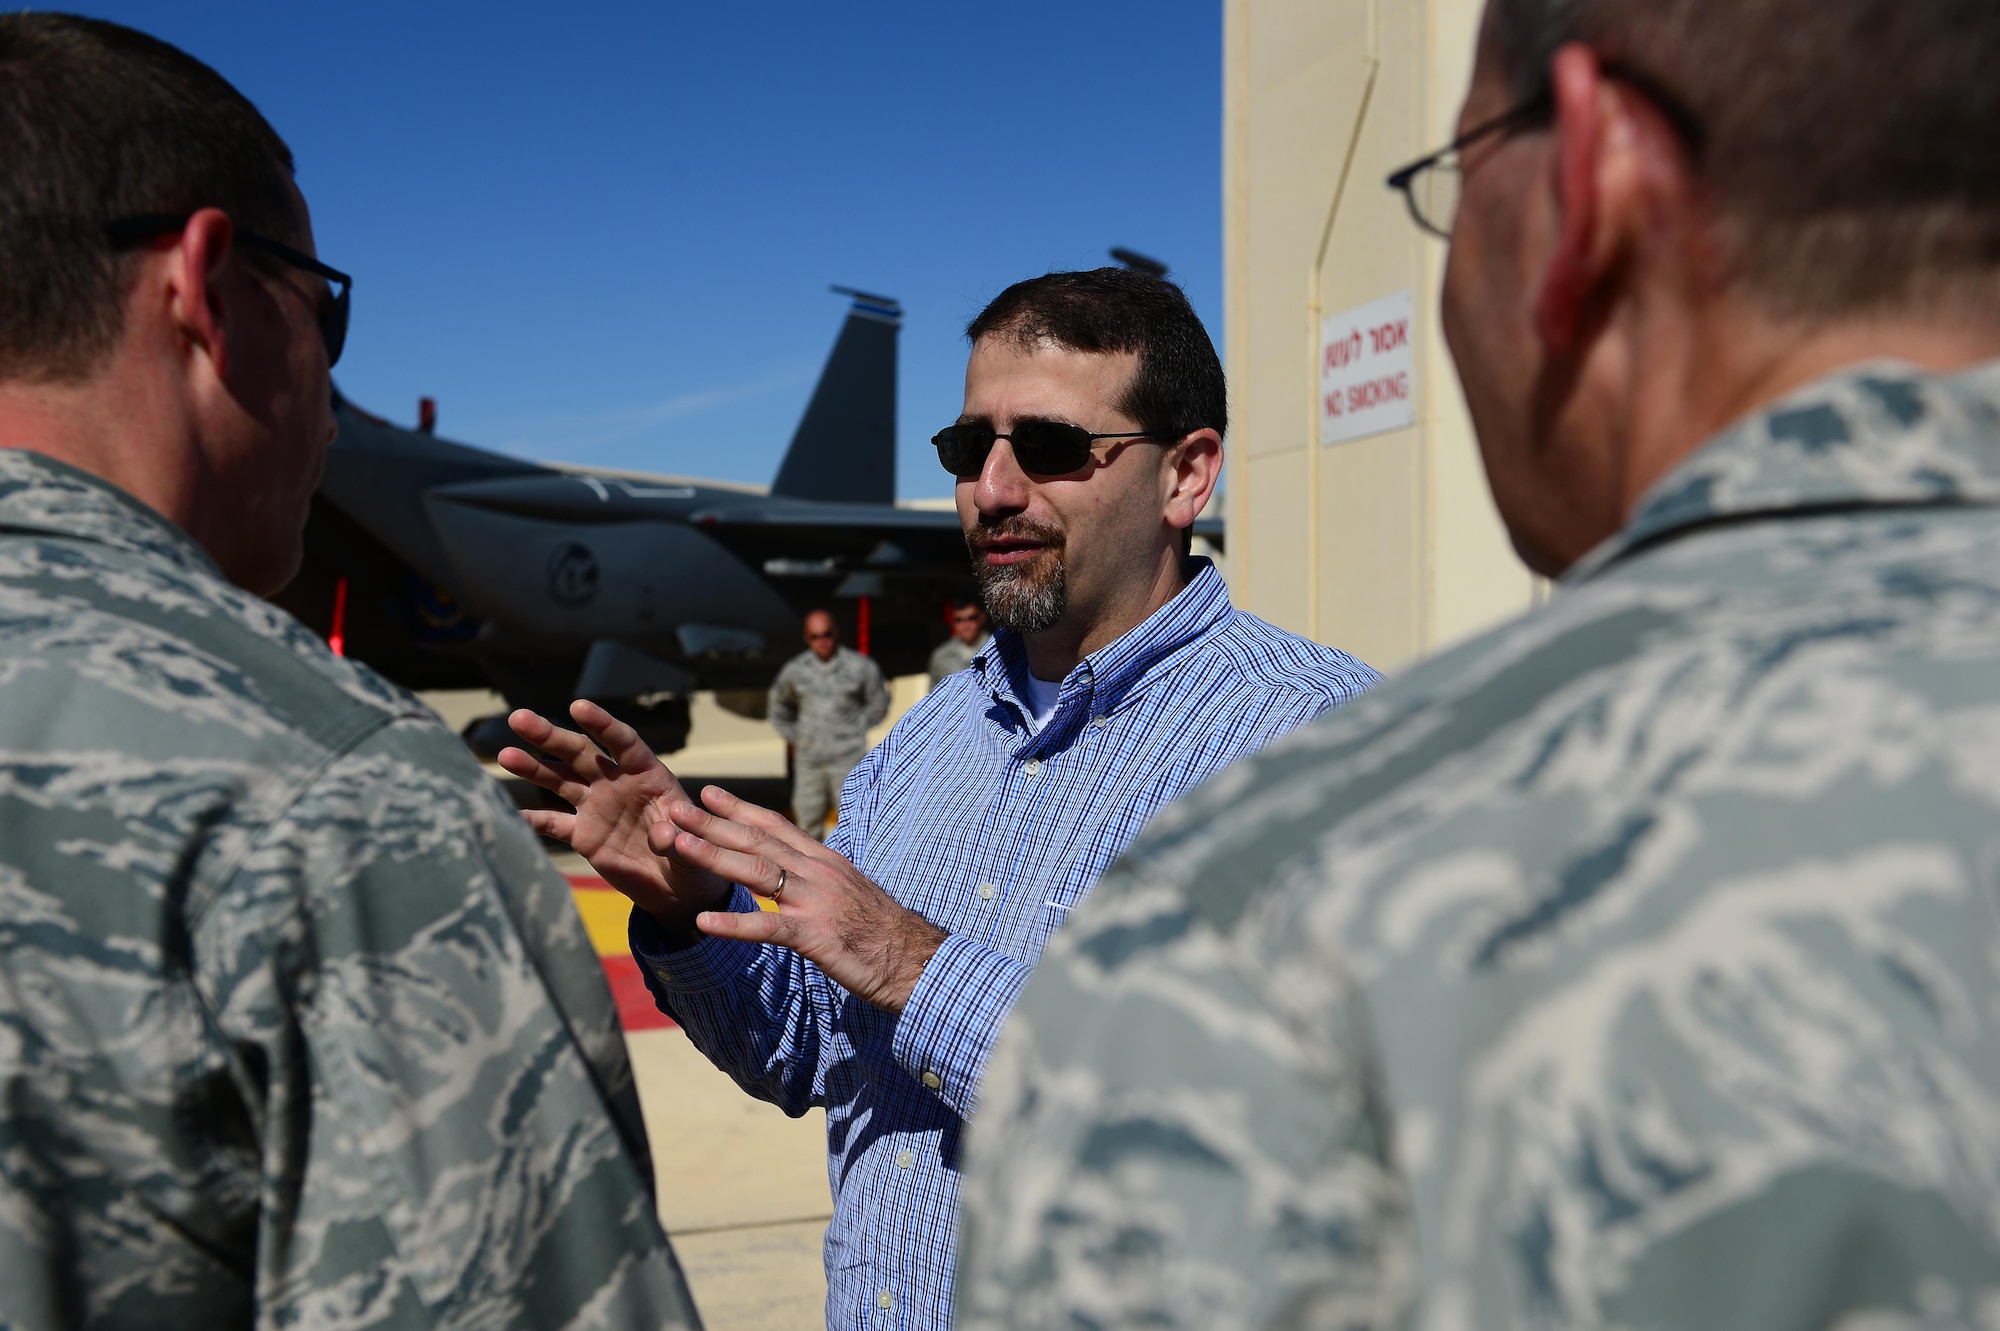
(1852, 146)
(1179, 387)
(97, 123)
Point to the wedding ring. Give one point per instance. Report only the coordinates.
(779, 890)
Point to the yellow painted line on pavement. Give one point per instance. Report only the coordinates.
(604, 915)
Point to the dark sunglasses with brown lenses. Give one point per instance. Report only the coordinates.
(1043, 448)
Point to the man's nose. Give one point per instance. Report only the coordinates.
(1003, 486)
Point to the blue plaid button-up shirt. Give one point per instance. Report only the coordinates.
(994, 832)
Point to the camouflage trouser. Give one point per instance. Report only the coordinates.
(816, 794)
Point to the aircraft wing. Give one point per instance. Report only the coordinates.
(827, 517)
(832, 518)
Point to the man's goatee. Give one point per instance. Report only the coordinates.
(1029, 597)
(1024, 598)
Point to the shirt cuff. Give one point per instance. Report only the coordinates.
(707, 964)
(949, 1026)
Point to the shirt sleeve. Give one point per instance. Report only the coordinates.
(947, 1030)
(760, 1012)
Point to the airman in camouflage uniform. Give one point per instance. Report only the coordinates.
(969, 636)
(1635, 965)
(1655, 926)
(823, 706)
(297, 1023)
(298, 1027)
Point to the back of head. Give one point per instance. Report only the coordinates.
(1851, 146)
(97, 123)
(1179, 387)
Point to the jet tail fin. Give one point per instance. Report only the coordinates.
(844, 450)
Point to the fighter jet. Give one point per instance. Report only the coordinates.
(443, 565)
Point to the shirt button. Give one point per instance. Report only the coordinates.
(904, 1159)
(986, 891)
(1032, 767)
(885, 1300)
(932, 1080)
(1099, 722)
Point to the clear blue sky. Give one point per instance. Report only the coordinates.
(604, 232)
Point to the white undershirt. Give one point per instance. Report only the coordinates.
(1041, 701)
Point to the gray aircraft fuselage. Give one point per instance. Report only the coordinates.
(447, 566)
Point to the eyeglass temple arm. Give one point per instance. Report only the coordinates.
(297, 257)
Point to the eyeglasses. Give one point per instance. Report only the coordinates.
(332, 318)
(1432, 186)
(1043, 448)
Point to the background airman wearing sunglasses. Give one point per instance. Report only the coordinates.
(969, 632)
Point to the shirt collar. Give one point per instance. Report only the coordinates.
(1875, 435)
(40, 494)
(1121, 667)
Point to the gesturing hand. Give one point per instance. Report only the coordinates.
(828, 911)
(618, 791)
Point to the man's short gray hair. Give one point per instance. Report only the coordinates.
(1852, 146)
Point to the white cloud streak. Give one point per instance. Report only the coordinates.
(567, 436)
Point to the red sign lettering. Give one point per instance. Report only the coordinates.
(1344, 352)
(1389, 337)
(1376, 393)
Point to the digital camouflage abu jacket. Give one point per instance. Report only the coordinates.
(1635, 965)
(826, 707)
(297, 1025)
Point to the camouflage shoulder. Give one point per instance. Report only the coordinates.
(1253, 818)
(1880, 433)
(1157, 1145)
(449, 975)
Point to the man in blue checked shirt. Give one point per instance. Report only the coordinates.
(1120, 676)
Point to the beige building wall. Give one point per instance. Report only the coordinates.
(1387, 546)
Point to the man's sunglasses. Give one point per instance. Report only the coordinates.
(1043, 448)
(332, 319)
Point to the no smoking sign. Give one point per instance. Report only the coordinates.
(1367, 372)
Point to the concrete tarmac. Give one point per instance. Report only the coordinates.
(743, 1189)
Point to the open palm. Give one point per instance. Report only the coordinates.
(619, 789)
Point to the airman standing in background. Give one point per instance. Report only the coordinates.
(968, 635)
(823, 702)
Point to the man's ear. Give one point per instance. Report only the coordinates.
(1583, 250)
(194, 292)
(1193, 469)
